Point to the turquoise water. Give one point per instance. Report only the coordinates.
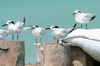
(45, 13)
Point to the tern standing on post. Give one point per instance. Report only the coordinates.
(60, 33)
(15, 28)
(38, 32)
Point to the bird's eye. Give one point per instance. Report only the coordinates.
(79, 11)
(53, 27)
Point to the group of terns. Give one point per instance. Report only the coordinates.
(57, 32)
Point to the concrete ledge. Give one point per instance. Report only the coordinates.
(65, 55)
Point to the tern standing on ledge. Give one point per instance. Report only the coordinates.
(83, 17)
(60, 33)
(38, 32)
(15, 28)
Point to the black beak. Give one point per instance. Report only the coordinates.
(47, 28)
(73, 13)
(4, 25)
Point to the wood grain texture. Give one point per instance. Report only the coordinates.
(56, 55)
(12, 53)
(65, 55)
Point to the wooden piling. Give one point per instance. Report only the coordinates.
(12, 53)
(56, 55)
(39, 54)
(65, 55)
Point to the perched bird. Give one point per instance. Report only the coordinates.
(60, 33)
(83, 17)
(38, 32)
(15, 28)
(3, 34)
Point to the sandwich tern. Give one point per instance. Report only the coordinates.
(60, 33)
(83, 17)
(38, 32)
(15, 28)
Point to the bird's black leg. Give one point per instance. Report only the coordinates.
(17, 36)
(36, 40)
(86, 26)
(81, 26)
(12, 37)
(57, 42)
(40, 40)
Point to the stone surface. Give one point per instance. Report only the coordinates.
(65, 55)
(39, 53)
(12, 53)
(56, 55)
(29, 64)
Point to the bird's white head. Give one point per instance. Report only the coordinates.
(8, 22)
(33, 27)
(76, 12)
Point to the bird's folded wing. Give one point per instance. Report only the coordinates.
(18, 24)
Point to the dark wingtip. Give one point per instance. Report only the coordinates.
(75, 25)
(73, 28)
(24, 20)
(92, 17)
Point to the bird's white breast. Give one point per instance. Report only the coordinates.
(38, 32)
(15, 29)
(59, 33)
(81, 18)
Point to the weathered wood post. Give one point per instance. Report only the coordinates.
(56, 55)
(65, 55)
(12, 53)
(39, 54)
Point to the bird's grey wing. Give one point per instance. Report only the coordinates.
(42, 32)
(19, 25)
(26, 28)
(90, 16)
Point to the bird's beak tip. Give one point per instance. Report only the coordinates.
(4, 25)
(73, 14)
